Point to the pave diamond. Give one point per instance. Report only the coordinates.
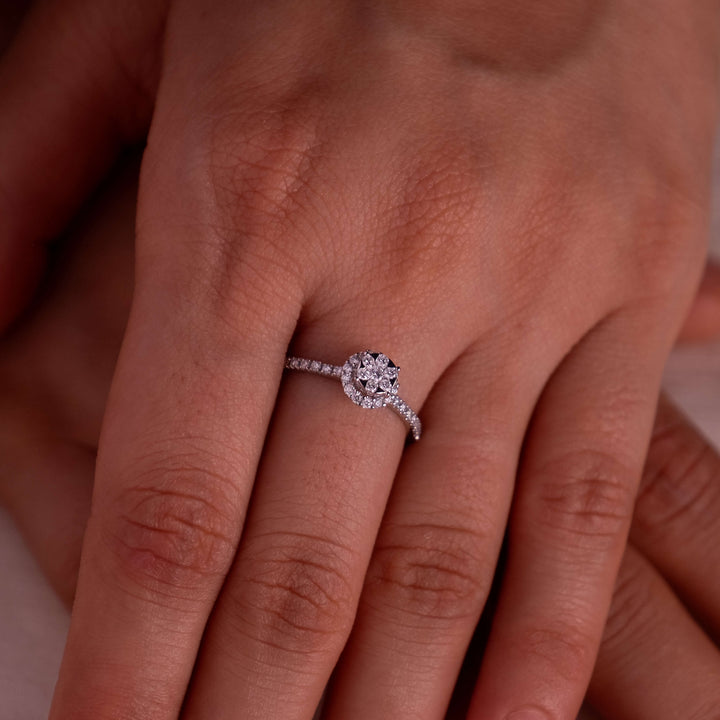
(369, 378)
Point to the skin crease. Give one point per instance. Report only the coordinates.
(543, 211)
(495, 34)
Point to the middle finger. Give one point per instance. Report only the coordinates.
(438, 546)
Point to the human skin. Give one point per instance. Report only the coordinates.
(517, 219)
(656, 661)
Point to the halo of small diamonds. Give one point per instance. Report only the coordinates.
(369, 379)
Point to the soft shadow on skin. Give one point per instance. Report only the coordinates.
(508, 36)
(11, 15)
(467, 678)
(56, 365)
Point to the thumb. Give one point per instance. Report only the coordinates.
(78, 83)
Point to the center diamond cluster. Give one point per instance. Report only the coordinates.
(370, 378)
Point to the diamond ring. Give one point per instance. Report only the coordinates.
(369, 379)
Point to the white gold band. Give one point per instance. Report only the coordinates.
(369, 379)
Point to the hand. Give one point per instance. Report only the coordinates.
(659, 657)
(656, 661)
(50, 419)
(306, 174)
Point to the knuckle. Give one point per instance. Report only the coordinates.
(568, 649)
(587, 495)
(263, 165)
(298, 592)
(429, 571)
(433, 214)
(174, 532)
(262, 168)
(246, 258)
(429, 209)
(679, 487)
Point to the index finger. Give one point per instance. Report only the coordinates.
(186, 420)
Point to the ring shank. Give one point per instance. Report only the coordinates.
(395, 403)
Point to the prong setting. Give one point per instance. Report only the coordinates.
(369, 379)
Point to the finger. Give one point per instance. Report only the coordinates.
(191, 400)
(78, 83)
(703, 319)
(288, 606)
(677, 514)
(655, 663)
(435, 555)
(581, 466)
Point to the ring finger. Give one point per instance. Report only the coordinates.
(582, 460)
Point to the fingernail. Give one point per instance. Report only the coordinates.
(528, 714)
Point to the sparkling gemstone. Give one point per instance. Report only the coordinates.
(381, 361)
(370, 375)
